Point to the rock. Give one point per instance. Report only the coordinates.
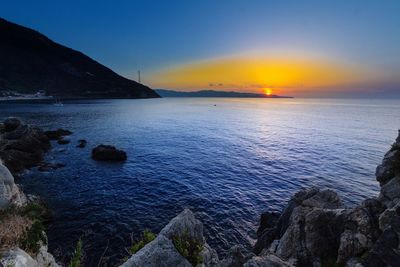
(9, 191)
(267, 231)
(11, 124)
(57, 134)
(45, 259)
(108, 153)
(160, 252)
(235, 258)
(18, 258)
(23, 147)
(385, 251)
(63, 141)
(269, 260)
(184, 223)
(45, 167)
(82, 143)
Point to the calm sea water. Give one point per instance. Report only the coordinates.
(226, 159)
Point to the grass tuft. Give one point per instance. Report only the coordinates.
(78, 255)
(188, 248)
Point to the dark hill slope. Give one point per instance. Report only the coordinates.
(29, 61)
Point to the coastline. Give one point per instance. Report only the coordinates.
(313, 230)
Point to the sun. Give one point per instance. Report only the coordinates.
(267, 91)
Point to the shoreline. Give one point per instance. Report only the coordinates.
(279, 235)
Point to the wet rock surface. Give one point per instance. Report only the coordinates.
(22, 146)
(108, 153)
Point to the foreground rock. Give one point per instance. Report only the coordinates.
(315, 229)
(10, 194)
(22, 146)
(108, 153)
(162, 251)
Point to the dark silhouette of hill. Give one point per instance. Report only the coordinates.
(212, 93)
(29, 62)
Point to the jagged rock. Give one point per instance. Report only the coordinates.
(18, 258)
(108, 153)
(81, 143)
(162, 251)
(57, 134)
(184, 223)
(235, 258)
(11, 124)
(385, 251)
(267, 231)
(9, 191)
(390, 192)
(23, 147)
(269, 260)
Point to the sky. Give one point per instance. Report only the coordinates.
(298, 48)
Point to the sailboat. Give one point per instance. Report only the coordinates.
(58, 103)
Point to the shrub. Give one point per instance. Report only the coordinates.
(188, 248)
(147, 237)
(78, 255)
(33, 238)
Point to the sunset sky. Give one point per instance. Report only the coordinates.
(298, 48)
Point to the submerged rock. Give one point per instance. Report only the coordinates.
(45, 166)
(63, 141)
(57, 134)
(81, 143)
(108, 153)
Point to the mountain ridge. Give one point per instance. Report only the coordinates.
(30, 62)
(213, 93)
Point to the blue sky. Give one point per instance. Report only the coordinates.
(157, 35)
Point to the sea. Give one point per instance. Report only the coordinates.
(227, 159)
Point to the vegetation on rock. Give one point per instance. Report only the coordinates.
(78, 255)
(188, 248)
(146, 238)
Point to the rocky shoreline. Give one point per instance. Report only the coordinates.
(314, 229)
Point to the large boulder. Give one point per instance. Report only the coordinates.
(108, 153)
(23, 146)
(160, 252)
(9, 191)
(19, 258)
(163, 252)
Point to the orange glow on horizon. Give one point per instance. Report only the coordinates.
(256, 75)
(268, 91)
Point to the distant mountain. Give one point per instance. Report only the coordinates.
(29, 62)
(212, 93)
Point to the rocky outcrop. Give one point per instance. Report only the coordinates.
(81, 143)
(57, 134)
(315, 229)
(108, 153)
(22, 146)
(10, 194)
(19, 258)
(162, 251)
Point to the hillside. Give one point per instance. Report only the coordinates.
(29, 62)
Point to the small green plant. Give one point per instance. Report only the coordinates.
(147, 237)
(188, 248)
(78, 255)
(33, 238)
